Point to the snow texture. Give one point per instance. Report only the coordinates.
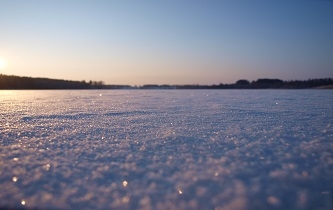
(166, 149)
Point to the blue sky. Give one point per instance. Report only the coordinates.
(167, 42)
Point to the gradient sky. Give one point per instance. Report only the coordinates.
(167, 42)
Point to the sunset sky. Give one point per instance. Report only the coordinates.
(167, 41)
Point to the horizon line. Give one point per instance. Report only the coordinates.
(166, 84)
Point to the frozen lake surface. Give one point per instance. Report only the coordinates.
(166, 149)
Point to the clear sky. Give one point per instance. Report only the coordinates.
(167, 41)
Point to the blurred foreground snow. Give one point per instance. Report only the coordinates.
(172, 149)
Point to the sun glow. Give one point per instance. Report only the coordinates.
(3, 63)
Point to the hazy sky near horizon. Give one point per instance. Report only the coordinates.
(167, 42)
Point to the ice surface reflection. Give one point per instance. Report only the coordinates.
(248, 149)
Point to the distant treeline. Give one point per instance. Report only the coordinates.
(272, 84)
(258, 84)
(15, 82)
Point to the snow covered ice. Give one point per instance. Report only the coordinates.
(166, 149)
